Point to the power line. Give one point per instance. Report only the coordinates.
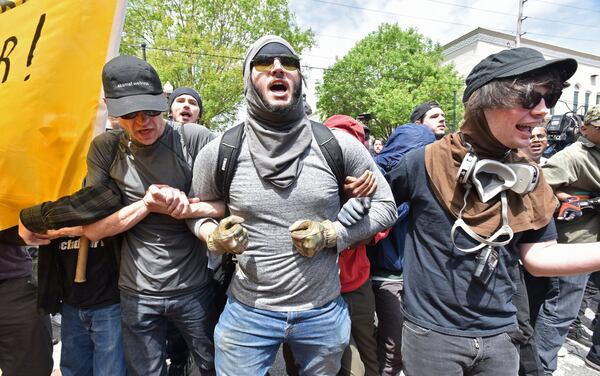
(392, 13)
(474, 8)
(496, 12)
(389, 13)
(562, 22)
(353, 71)
(569, 6)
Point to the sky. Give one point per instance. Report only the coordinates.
(339, 24)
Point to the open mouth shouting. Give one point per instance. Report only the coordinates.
(185, 115)
(526, 128)
(279, 90)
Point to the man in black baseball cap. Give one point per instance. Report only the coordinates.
(515, 62)
(134, 94)
(431, 115)
(163, 275)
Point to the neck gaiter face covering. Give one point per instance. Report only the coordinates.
(278, 139)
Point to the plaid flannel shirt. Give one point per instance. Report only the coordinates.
(85, 206)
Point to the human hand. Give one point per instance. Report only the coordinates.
(65, 231)
(309, 237)
(32, 238)
(354, 210)
(167, 200)
(569, 209)
(229, 236)
(363, 186)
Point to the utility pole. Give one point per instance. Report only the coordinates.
(520, 20)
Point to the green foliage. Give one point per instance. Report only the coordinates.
(201, 44)
(387, 74)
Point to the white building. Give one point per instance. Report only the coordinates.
(584, 90)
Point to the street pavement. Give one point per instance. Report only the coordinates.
(571, 364)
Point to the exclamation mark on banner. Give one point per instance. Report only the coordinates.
(36, 37)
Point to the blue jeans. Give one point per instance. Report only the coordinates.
(557, 312)
(145, 322)
(427, 352)
(247, 339)
(91, 341)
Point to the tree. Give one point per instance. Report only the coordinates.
(201, 44)
(387, 74)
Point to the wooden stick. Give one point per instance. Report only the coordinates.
(82, 257)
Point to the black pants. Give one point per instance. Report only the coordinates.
(529, 361)
(25, 335)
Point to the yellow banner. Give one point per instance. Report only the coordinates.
(51, 58)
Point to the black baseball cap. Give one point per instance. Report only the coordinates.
(130, 85)
(514, 62)
(422, 109)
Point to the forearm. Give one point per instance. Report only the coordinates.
(204, 209)
(205, 229)
(553, 259)
(84, 206)
(118, 222)
(382, 215)
(65, 231)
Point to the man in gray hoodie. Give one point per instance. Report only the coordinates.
(286, 286)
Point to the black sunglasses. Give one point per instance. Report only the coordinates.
(131, 115)
(532, 98)
(264, 63)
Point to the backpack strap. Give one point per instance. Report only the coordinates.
(229, 150)
(331, 151)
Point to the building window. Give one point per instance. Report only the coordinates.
(576, 98)
(598, 98)
(593, 79)
(587, 101)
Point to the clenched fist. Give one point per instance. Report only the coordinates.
(309, 237)
(229, 236)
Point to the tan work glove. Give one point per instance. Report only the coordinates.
(229, 236)
(309, 237)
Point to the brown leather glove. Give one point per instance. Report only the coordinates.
(229, 236)
(309, 237)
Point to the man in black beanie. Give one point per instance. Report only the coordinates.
(185, 105)
(283, 198)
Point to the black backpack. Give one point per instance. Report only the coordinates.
(229, 150)
(231, 143)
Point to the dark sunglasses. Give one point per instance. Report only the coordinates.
(532, 98)
(131, 115)
(265, 63)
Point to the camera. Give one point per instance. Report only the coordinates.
(562, 131)
(487, 260)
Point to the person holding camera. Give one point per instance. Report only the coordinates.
(574, 175)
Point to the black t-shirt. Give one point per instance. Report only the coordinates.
(440, 292)
(102, 274)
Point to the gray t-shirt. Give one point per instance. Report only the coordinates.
(271, 274)
(160, 256)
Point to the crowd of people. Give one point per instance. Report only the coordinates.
(434, 253)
